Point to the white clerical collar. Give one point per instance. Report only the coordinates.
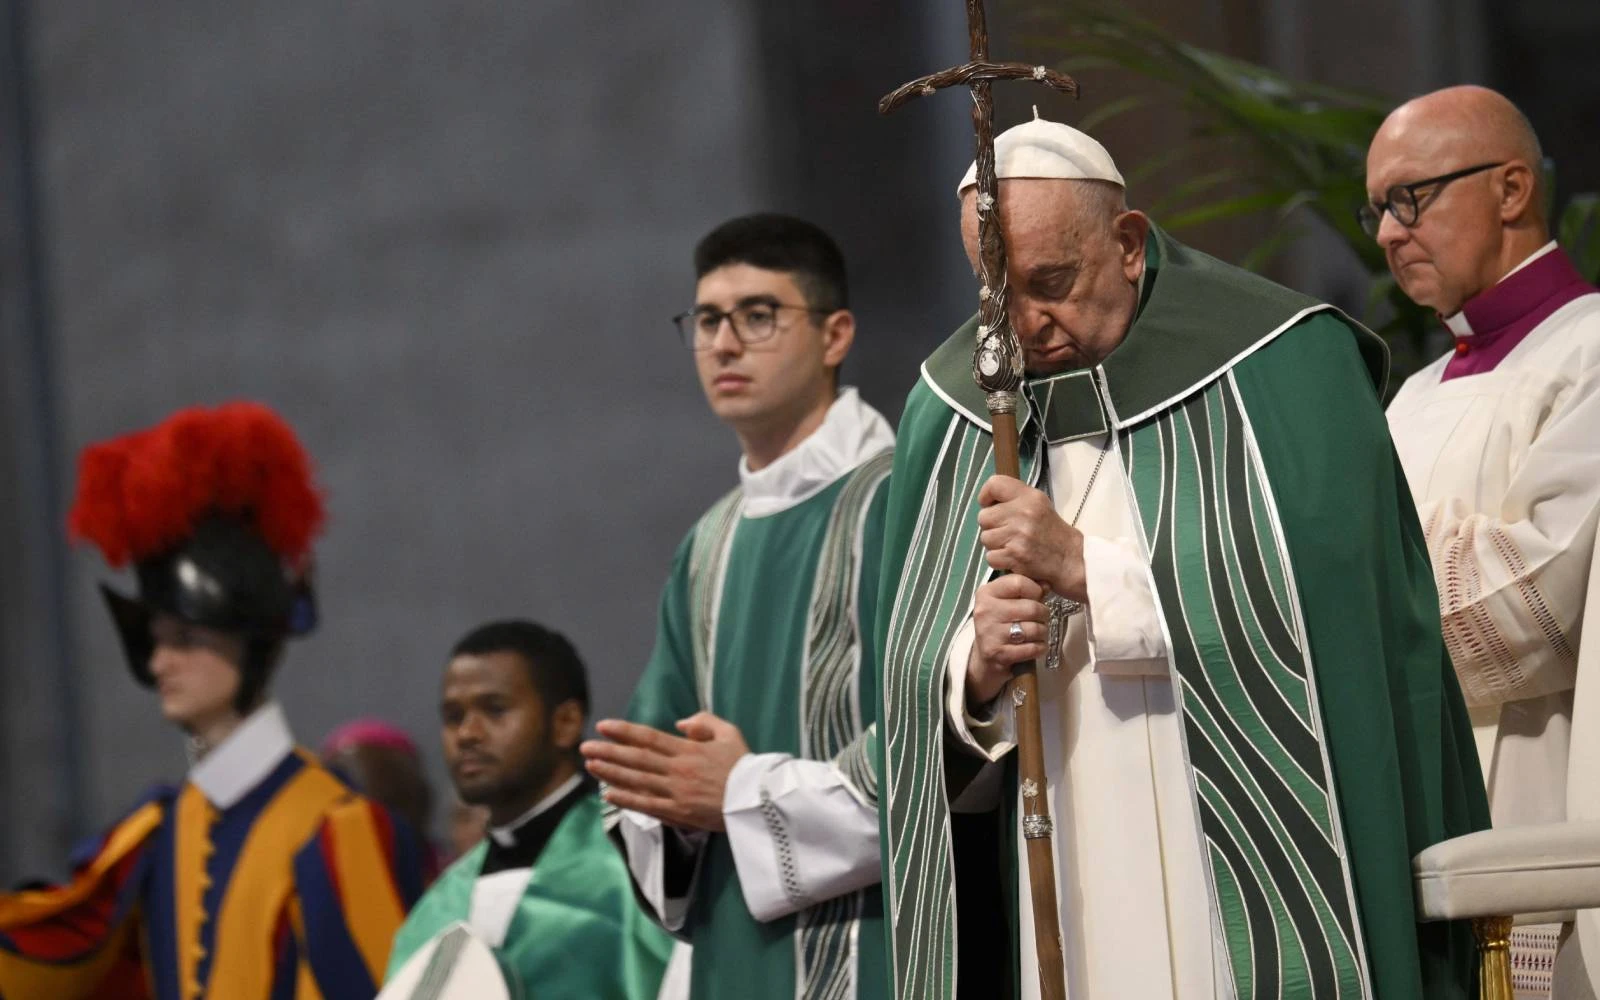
(851, 433)
(1458, 323)
(243, 760)
(506, 836)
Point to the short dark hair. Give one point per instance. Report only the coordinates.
(775, 242)
(553, 664)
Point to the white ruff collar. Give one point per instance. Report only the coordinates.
(243, 760)
(851, 433)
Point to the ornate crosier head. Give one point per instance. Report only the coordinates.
(997, 363)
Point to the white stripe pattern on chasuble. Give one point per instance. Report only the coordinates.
(1246, 687)
(830, 718)
(708, 566)
(1123, 447)
(914, 775)
(944, 567)
(1261, 485)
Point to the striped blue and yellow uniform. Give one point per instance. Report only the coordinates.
(294, 891)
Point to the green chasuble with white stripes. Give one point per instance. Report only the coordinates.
(1324, 734)
(767, 621)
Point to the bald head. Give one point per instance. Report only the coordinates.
(1465, 123)
(1469, 232)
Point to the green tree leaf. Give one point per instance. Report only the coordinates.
(1305, 144)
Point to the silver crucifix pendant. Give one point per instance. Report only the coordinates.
(1061, 609)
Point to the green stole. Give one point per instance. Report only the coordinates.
(1324, 730)
(577, 932)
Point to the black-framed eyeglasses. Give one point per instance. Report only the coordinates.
(1403, 201)
(753, 322)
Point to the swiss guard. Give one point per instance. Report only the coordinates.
(263, 876)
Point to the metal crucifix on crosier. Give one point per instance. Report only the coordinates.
(998, 369)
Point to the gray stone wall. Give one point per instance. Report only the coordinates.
(441, 238)
(444, 240)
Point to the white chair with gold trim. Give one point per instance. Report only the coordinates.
(1542, 874)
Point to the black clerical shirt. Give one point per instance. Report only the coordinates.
(529, 835)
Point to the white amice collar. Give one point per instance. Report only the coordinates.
(243, 760)
(851, 433)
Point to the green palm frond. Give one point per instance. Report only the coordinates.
(1579, 233)
(1305, 144)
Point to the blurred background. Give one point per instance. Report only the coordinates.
(444, 240)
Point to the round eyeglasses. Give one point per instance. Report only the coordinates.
(753, 322)
(1404, 201)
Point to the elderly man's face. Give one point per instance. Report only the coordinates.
(1074, 260)
(1451, 252)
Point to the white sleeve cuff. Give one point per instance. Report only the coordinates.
(800, 835)
(645, 841)
(1125, 636)
(990, 736)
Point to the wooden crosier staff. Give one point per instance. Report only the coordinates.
(997, 368)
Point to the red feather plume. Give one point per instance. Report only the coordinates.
(141, 494)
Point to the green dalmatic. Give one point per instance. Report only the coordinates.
(766, 621)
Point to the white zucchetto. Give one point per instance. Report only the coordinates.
(1046, 149)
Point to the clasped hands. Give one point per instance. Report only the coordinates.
(1023, 536)
(680, 780)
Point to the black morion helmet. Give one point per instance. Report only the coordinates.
(216, 510)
